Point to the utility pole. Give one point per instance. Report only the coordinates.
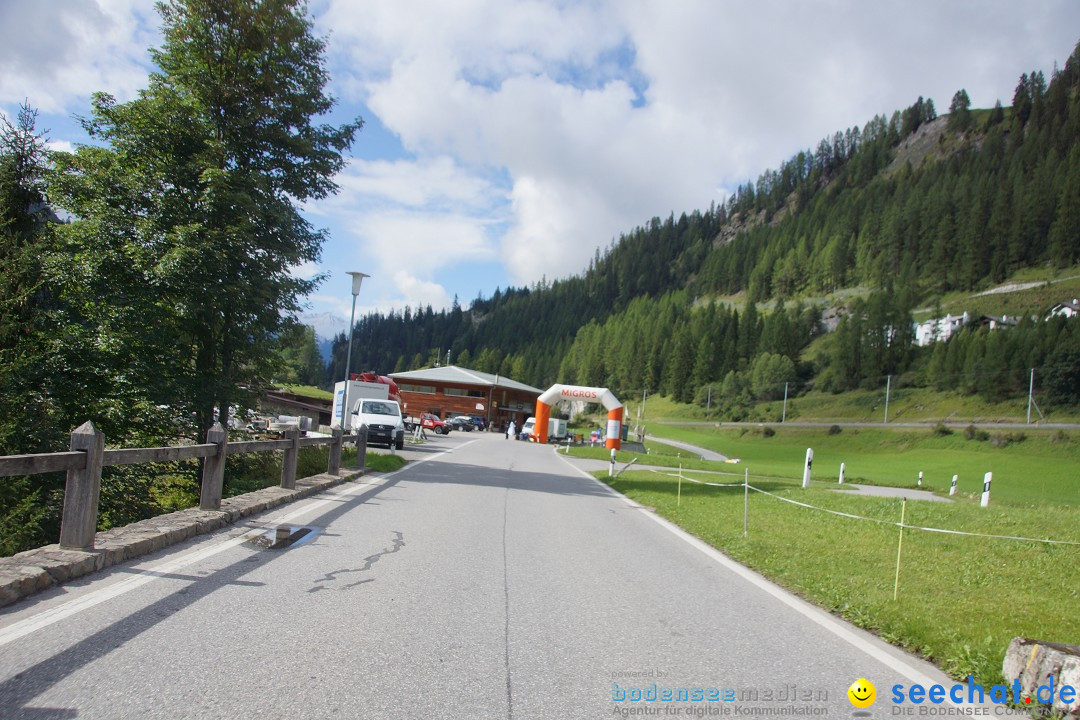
(783, 416)
(888, 384)
(1031, 391)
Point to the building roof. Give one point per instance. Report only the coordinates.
(462, 376)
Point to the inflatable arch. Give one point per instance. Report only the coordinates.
(557, 393)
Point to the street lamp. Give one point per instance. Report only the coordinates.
(357, 278)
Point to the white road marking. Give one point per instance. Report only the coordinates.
(54, 615)
(810, 612)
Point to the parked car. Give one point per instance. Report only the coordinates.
(461, 423)
(428, 422)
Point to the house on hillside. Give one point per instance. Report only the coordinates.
(1066, 309)
(939, 329)
(994, 323)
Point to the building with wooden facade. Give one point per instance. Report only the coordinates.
(451, 390)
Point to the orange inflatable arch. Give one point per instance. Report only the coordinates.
(558, 393)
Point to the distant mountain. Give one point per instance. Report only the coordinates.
(327, 327)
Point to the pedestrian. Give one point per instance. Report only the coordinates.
(511, 429)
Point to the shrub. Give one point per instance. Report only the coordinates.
(767, 431)
(942, 430)
(835, 430)
(1006, 439)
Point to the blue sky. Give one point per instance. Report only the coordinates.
(505, 141)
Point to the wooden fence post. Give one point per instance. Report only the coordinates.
(213, 469)
(361, 447)
(83, 490)
(288, 462)
(335, 451)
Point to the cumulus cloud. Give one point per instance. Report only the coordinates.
(604, 114)
(306, 270)
(56, 53)
(535, 131)
(426, 215)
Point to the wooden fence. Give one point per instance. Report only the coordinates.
(87, 456)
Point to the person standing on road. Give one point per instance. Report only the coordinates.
(511, 429)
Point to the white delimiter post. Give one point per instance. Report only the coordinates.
(985, 502)
(952, 488)
(920, 478)
(841, 473)
(806, 468)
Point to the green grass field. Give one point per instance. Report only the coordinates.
(905, 405)
(1043, 469)
(961, 599)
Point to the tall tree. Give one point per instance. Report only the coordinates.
(211, 162)
(960, 111)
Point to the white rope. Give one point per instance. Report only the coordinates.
(699, 482)
(916, 527)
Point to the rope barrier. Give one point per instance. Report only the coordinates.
(699, 482)
(876, 520)
(917, 527)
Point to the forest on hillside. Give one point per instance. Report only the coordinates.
(907, 208)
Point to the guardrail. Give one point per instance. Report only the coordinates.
(87, 456)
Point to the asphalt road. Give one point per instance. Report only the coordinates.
(491, 581)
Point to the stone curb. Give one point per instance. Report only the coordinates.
(1044, 664)
(28, 572)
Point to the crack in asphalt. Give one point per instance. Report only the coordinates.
(398, 543)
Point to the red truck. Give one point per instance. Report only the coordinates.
(428, 422)
(371, 377)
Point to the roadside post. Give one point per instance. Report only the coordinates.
(841, 473)
(920, 478)
(985, 501)
(611, 467)
(746, 503)
(806, 468)
(952, 488)
(678, 496)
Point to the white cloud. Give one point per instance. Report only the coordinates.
(538, 130)
(60, 146)
(426, 216)
(305, 270)
(429, 182)
(56, 53)
(606, 113)
(419, 293)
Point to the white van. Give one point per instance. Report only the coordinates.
(383, 420)
(556, 428)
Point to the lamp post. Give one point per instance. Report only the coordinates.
(357, 278)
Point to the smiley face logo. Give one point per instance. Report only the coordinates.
(862, 693)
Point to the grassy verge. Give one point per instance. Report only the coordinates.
(384, 462)
(961, 599)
